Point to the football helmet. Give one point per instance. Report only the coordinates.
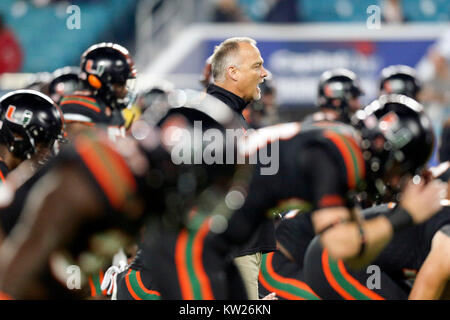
(400, 79)
(29, 119)
(397, 138)
(106, 66)
(65, 81)
(336, 88)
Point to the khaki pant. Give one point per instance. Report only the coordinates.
(249, 267)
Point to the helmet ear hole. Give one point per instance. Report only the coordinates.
(94, 81)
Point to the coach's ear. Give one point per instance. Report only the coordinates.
(233, 73)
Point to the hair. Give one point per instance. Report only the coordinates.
(224, 54)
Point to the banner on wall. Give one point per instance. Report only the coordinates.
(297, 55)
(297, 66)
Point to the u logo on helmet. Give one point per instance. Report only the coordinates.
(389, 122)
(328, 91)
(97, 71)
(23, 120)
(398, 136)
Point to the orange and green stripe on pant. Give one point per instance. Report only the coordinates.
(193, 280)
(343, 283)
(95, 282)
(137, 289)
(287, 288)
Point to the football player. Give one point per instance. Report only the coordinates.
(324, 188)
(64, 81)
(31, 124)
(400, 79)
(108, 78)
(338, 96)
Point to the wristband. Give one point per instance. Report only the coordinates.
(399, 218)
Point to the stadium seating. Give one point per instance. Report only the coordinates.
(351, 10)
(426, 10)
(42, 32)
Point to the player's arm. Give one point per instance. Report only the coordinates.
(343, 233)
(55, 207)
(434, 275)
(357, 243)
(337, 224)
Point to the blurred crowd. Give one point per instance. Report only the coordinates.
(289, 11)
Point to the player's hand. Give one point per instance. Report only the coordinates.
(422, 200)
(270, 296)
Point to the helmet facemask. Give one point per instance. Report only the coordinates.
(131, 93)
